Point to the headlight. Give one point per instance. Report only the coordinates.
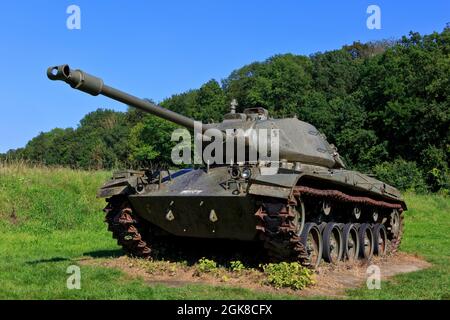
(246, 173)
(235, 172)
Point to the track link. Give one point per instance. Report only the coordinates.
(127, 228)
(342, 197)
(277, 228)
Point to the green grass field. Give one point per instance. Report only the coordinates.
(50, 219)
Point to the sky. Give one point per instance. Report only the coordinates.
(154, 49)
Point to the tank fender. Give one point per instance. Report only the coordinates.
(119, 186)
(274, 185)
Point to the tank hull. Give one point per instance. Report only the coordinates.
(200, 216)
(198, 203)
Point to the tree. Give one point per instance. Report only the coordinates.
(150, 142)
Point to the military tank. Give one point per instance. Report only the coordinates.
(305, 207)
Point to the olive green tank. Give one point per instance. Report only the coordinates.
(304, 207)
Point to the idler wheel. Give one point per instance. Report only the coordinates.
(332, 243)
(311, 239)
(365, 241)
(350, 238)
(394, 228)
(380, 239)
(394, 224)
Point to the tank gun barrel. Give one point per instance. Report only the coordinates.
(95, 86)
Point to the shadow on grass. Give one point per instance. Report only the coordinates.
(93, 254)
(56, 259)
(190, 250)
(105, 253)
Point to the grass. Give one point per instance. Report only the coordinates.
(50, 219)
(427, 234)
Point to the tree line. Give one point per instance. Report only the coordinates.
(384, 104)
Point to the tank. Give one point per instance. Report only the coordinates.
(304, 207)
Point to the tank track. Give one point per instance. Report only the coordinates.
(342, 197)
(277, 228)
(338, 196)
(127, 228)
(278, 231)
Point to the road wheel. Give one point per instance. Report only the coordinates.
(365, 241)
(332, 243)
(311, 239)
(380, 239)
(350, 239)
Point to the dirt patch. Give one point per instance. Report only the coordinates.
(333, 280)
(330, 280)
(13, 217)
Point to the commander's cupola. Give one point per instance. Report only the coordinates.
(249, 114)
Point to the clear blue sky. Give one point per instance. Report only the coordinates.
(157, 48)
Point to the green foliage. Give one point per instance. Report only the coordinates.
(49, 199)
(438, 171)
(206, 265)
(288, 275)
(237, 266)
(100, 141)
(402, 174)
(352, 141)
(150, 141)
(278, 84)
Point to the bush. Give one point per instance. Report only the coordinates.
(404, 175)
(437, 172)
(288, 275)
(236, 266)
(206, 265)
